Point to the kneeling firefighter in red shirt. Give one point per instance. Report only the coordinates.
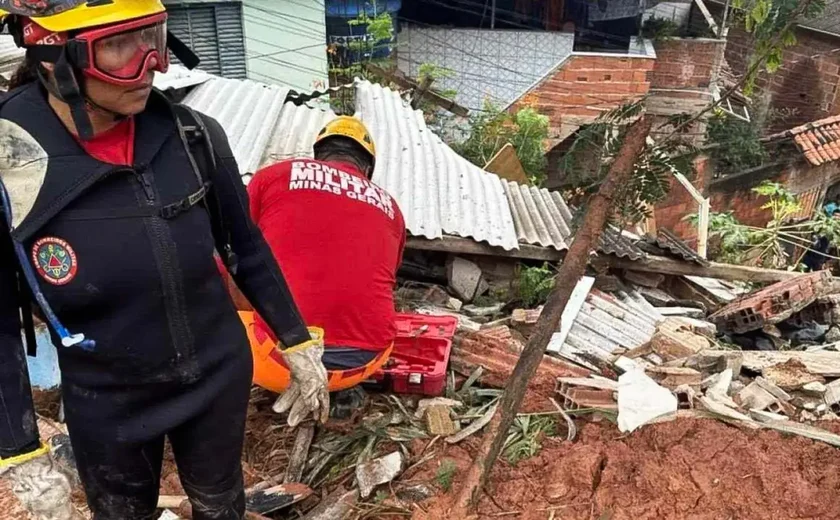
(339, 239)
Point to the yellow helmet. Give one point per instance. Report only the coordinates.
(70, 15)
(352, 128)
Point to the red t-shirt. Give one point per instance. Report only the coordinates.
(114, 146)
(338, 239)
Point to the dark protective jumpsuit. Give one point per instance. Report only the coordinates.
(172, 358)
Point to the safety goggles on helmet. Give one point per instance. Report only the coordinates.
(122, 54)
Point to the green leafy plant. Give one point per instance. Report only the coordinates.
(588, 159)
(352, 60)
(771, 245)
(436, 118)
(739, 147)
(492, 128)
(535, 284)
(659, 29)
(445, 475)
(525, 437)
(772, 25)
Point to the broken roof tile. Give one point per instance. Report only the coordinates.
(818, 140)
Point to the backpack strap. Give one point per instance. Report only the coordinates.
(198, 140)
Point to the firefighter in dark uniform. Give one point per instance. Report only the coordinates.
(110, 221)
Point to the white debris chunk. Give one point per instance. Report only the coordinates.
(377, 472)
(641, 400)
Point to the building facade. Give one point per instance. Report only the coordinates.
(215, 31)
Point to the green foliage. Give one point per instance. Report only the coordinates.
(492, 128)
(525, 437)
(446, 475)
(535, 284)
(739, 146)
(769, 21)
(352, 60)
(659, 29)
(824, 225)
(435, 117)
(590, 156)
(769, 246)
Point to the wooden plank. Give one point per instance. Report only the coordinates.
(407, 83)
(506, 164)
(826, 364)
(708, 16)
(459, 245)
(703, 229)
(657, 264)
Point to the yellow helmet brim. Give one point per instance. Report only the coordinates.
(352, 128)
(86, 16)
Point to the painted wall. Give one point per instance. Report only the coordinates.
(286, 42)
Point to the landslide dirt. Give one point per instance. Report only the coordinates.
(683, 470)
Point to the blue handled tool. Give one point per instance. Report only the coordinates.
(67, 339)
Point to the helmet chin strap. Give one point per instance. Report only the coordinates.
(67, 89)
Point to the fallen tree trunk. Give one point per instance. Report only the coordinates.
(572, 269)
(657, 264)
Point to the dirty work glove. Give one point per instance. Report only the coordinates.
(307, 394)
(41, 488)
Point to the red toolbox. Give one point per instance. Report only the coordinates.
(420, 357)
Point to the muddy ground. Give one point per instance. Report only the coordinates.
(691, 469)
(687, 470)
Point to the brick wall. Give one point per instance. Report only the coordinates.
(680, 80)
(686, 63)
(679, 203)
(586, 85)
(807, 80)
(735, 193)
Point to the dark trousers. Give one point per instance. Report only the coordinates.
(122, 479)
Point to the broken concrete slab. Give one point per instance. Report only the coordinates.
(378, 471)
(790, 375)
(753, 397)
(685, 397)
(437, 401)
(814, 388)
(673, 377)
(701, 327)
(641, 399)
(674, 340)
(464, 278)
(803, 430)
(482, 312)
(689, 312)
(832, 396)
(334, 507)
(524, 320)
(726, 412)
(774, 390)
(439, 421)
(772, 304)
(824, 363)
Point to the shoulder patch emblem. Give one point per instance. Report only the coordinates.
(55, 260)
